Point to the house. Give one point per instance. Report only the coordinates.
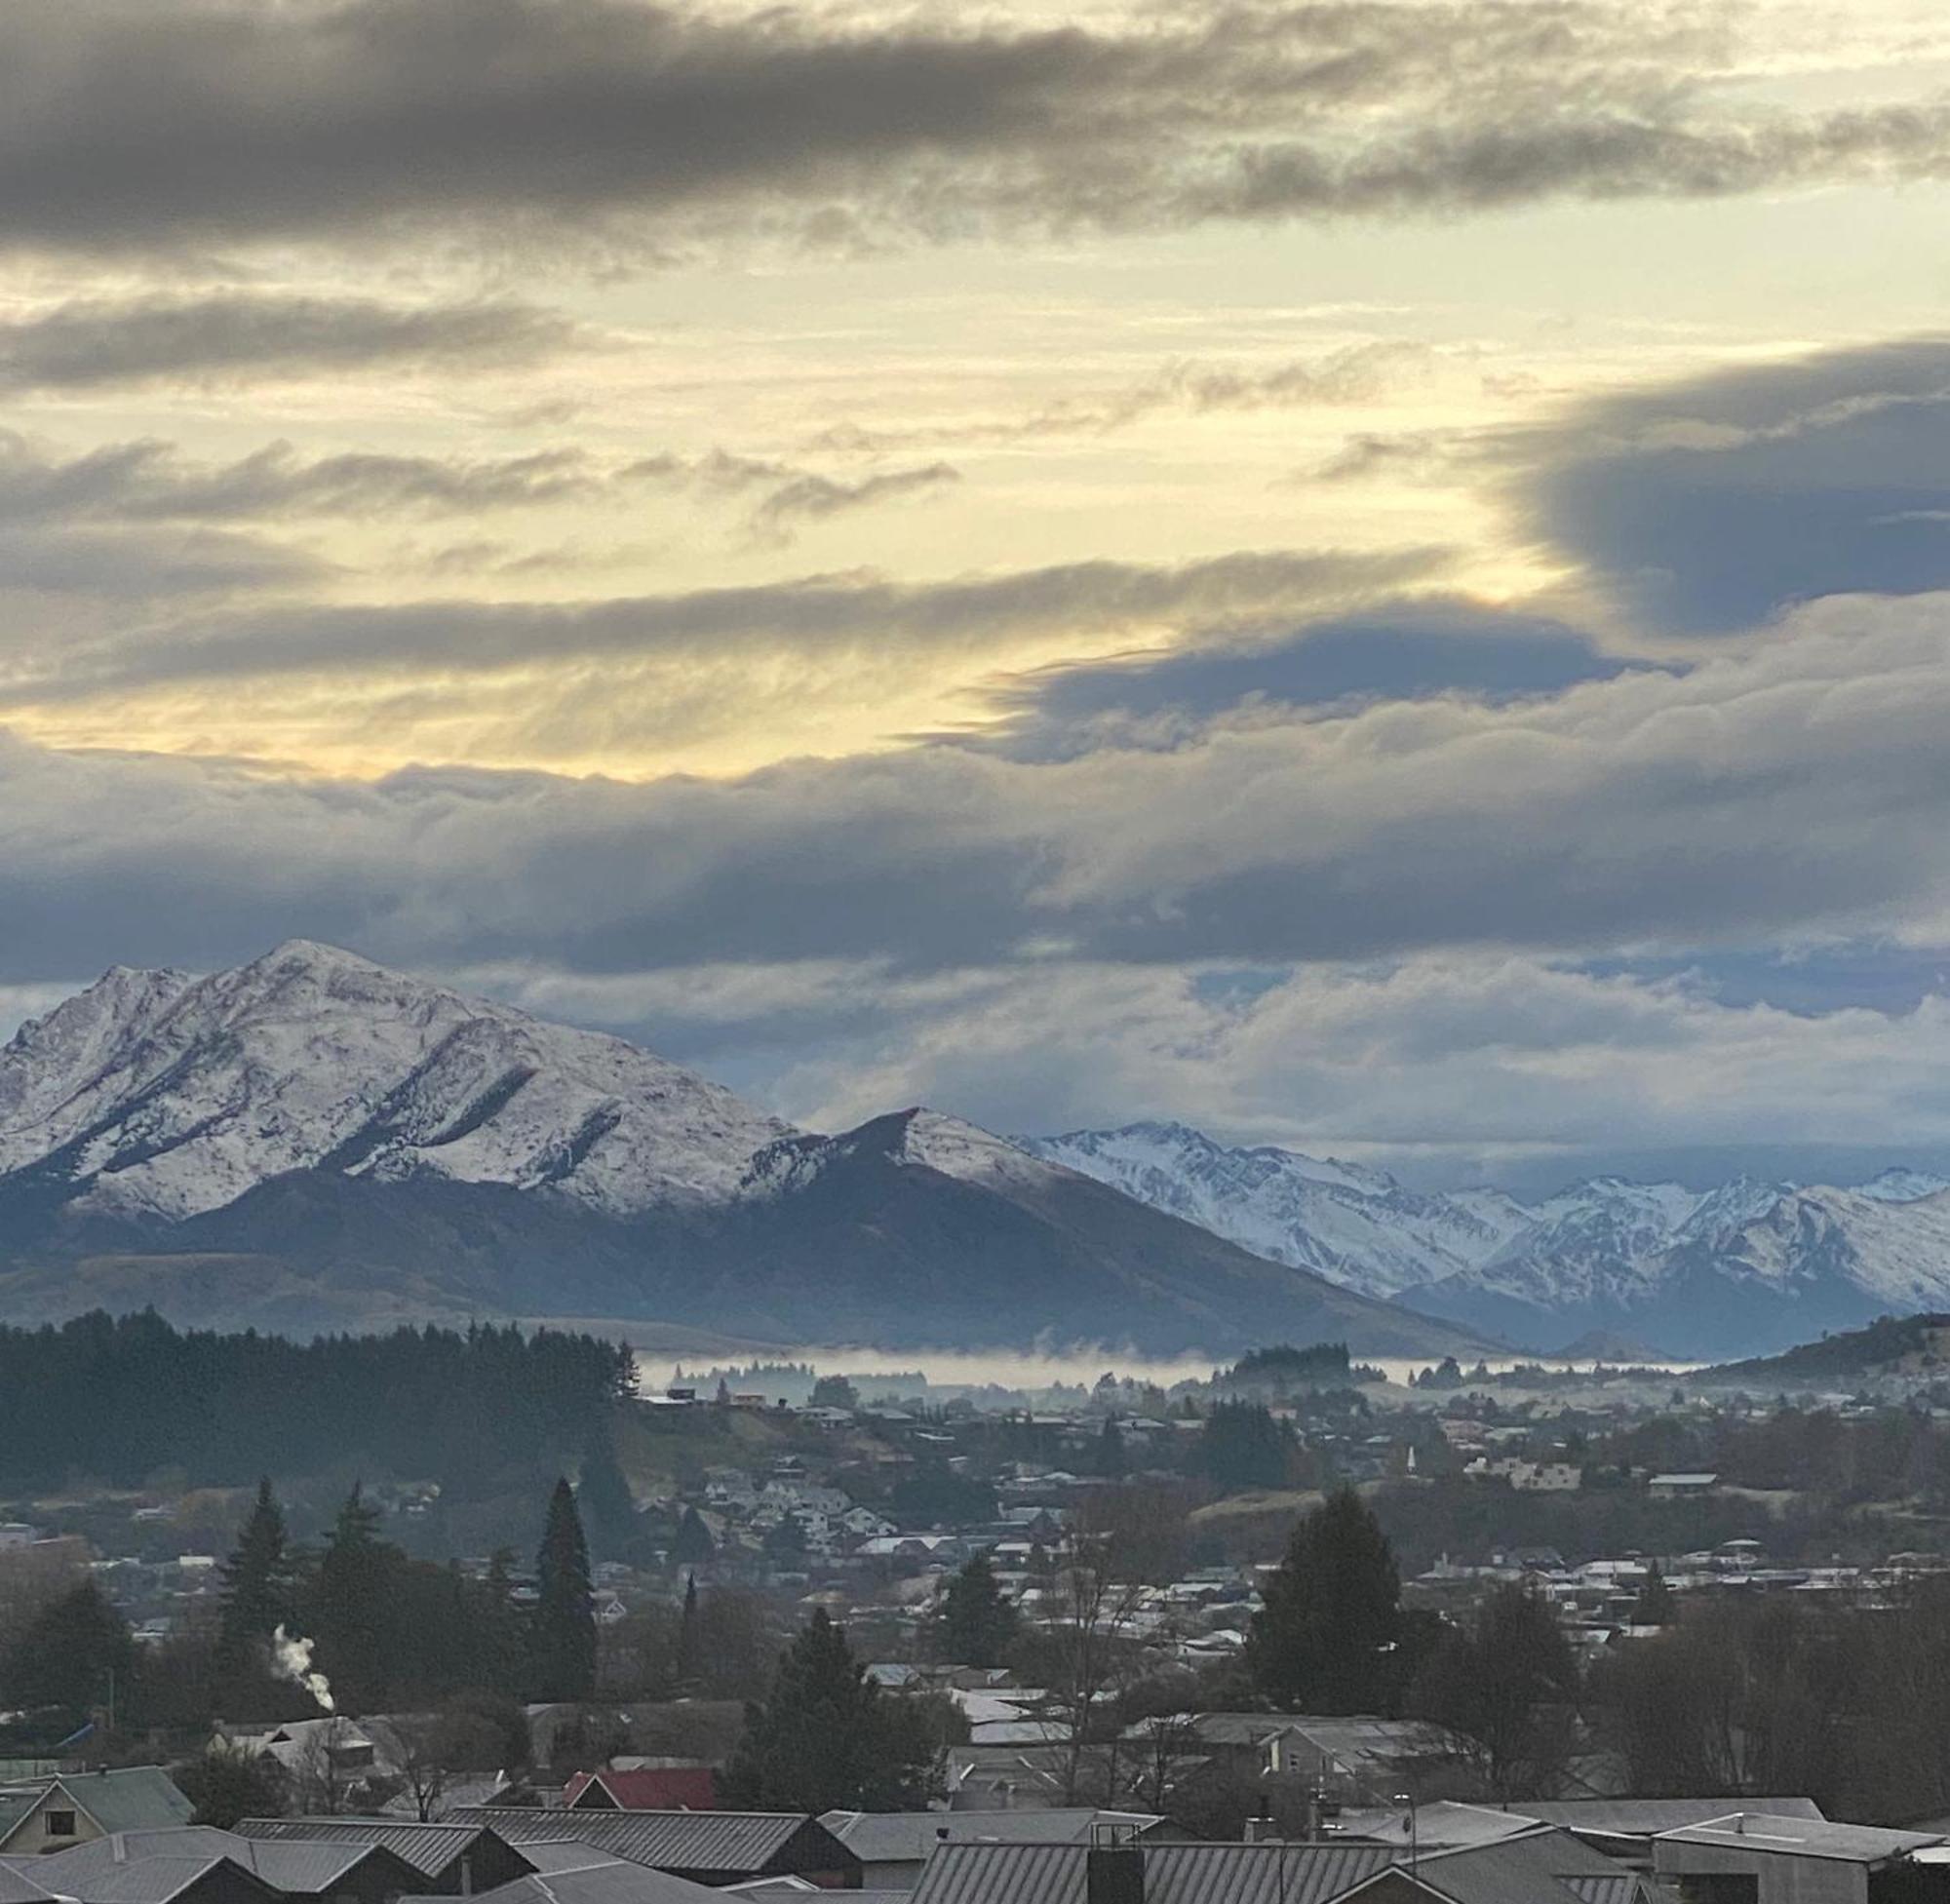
(1681, 1487)
(668, 1787)
(452, 1860)
(49, 1815)
(894, 1847)
(210, 1878)
(326, 1873)
(1541, 1868)
(709, 1847)
(1770, 1860)
(600, 1880)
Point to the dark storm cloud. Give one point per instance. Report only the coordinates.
(227, 335)
(829, 612)
(1396, 652)
(1707, 506)
(123, 124)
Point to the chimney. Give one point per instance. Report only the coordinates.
(1114, 1874)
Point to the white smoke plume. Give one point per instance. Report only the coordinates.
(291, 1658)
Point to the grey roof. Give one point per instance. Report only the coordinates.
(131, 1797)
(1538, 1869)
(429, 1848)
(566, 1854)
(1804, 1838)
(1445, 1824)
(17, 1887)
(885, 1836)
(147, 1881)
(671, 1841)
(136, 1797)
(1631, 1817)
(978, 1873)
(616, 1883)
(299, 1868)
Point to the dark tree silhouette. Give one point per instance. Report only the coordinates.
(976, 1625)
(1327, 1637)
(259, 1585)
(75, 1655)
(564, 1622)
(828, 1738)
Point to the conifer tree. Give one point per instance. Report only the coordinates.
(977, 1624)
(826, 1738)
(686, 1633)
(602, 1496)
(75, 1655)
(565, 1620)
(1654, 1604)
(1326, 1638)
(353, 1609)
(259, 1582)
(693, 1545)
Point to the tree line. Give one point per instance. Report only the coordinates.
(110, 1399)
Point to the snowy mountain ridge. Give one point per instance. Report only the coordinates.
(1692, 1271)
(310, 1140)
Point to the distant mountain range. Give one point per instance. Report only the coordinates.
(1744, 1266)
(311, 1141)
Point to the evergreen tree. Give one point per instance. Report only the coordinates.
(826, 1738)
(259, 1584)
(75, 1655)
(353, 1609)
(564, 1623)
(976, 1625)
(1326, 1638)
(501, 1631)
(1241, 1446)
(603, 1495)
(226, 1783)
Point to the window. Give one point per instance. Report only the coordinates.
(58, 1824)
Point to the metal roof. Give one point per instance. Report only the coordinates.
(886, 1837)
(1444, 1824)
(566, 1854)
(1533, 1870)
(150, 1880)
(979, 1873)
(294, 1867)
(1629, 1817)
(670, 1840)
(17, 1887)
(1801, 1837)
(429, 1848)
(135, 1798)
(616, 1883)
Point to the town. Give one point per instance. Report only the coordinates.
(1472, 1634)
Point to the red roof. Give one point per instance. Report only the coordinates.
(661, 1788)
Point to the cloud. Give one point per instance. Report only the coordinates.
(148, 481)
(226, 337)
(834, 615)
(1707, 506)
(233, 121)
(1401, 651)
(786, 495)
(1353, 375)
(1799, 790)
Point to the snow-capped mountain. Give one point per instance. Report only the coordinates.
(311, 1138)
(1356, 1226)
(1708, 1272)
(156, 1095)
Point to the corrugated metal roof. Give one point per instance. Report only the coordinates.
(150, 1880)
(17, 1887)
(566, 1854)
(1643, 1818)
(1518, 1871)
(1804, 1838)
(428, 1848)
(1174, 1874)
(671, 1841)
(1445, 1823)
(135, 1798)
(616, 1883)
(298, 1868)
(885, 1836)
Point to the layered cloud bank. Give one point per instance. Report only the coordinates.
(1375, 575)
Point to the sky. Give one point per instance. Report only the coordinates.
(1368, 575)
